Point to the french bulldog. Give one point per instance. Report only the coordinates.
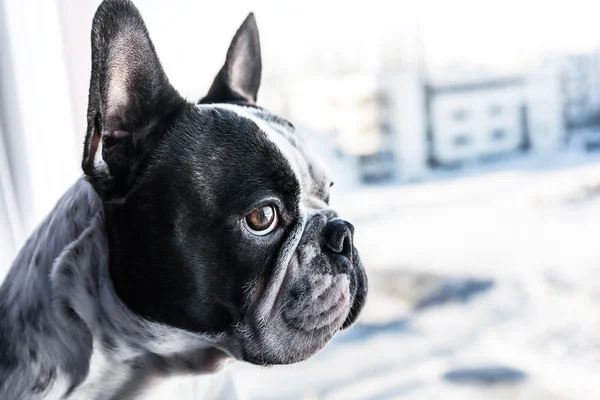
(200, 233)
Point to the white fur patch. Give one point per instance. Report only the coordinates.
(103, 377)
(58, 389)
(285, 147)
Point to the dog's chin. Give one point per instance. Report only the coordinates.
(291, 337)
(310, 312)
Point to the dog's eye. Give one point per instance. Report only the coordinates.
(261, 220)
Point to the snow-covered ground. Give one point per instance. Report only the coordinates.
(530, 228)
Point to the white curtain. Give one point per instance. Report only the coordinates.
(38, 148)
(11, 231)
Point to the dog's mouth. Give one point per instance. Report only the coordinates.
(325, 309)
(306, 309)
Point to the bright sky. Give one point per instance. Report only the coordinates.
(504, 35)
(508, 32)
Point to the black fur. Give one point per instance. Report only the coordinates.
(239, 79)
(182, 219)
(131, 102)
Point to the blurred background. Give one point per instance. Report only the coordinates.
(464, 139)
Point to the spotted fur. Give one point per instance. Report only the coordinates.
(63, 331)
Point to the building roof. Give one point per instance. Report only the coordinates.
(473, 86)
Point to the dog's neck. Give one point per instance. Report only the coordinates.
(63, 331)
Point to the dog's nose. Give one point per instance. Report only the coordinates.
(338, 236)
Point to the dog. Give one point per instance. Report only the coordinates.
(200, 233)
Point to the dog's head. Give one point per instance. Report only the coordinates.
(218, 218)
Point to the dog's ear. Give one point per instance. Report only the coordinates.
(239, 79)
(131, 101)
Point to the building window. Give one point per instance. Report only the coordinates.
(386, 128)
(460, 115)
(373, 100)
(498, 135)
(461, 140)
(495, 110)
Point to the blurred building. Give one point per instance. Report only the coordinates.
(581, 89)
(543, 98)
(491, 118)
(477, 120)
(391, 124)
(581, 97)
(377, 118)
